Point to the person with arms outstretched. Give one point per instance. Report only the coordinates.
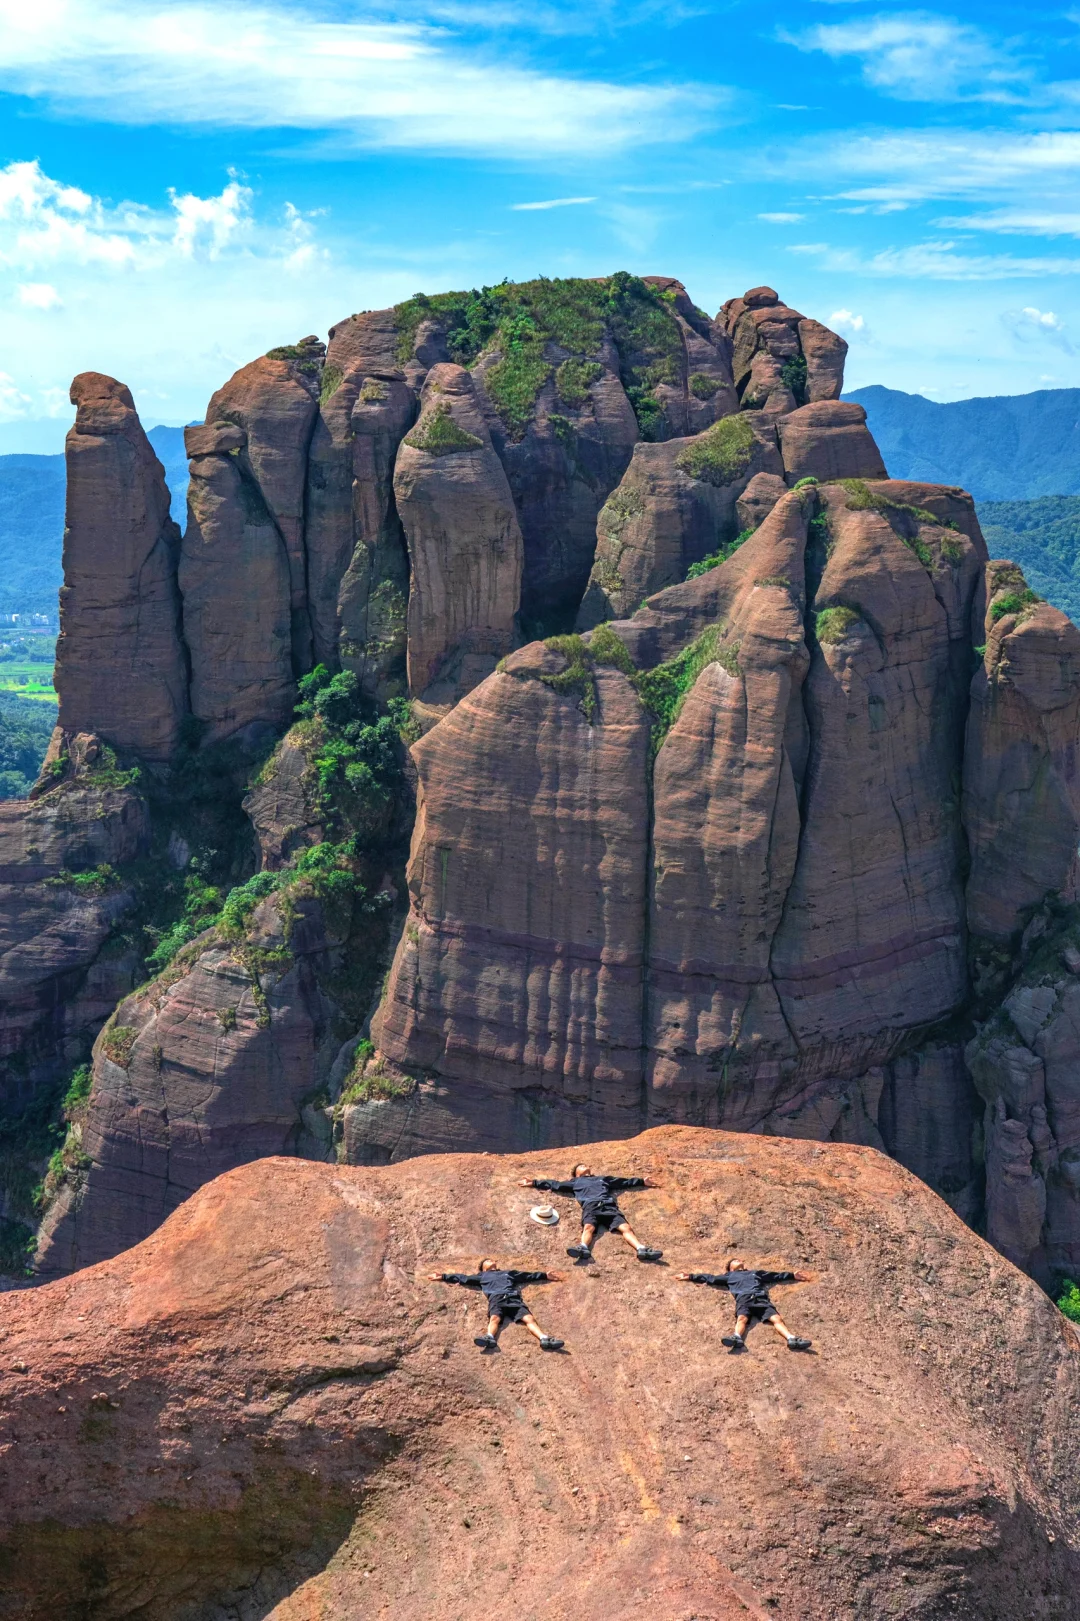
(502, 1291)
(750, 1286)
(599, 1208)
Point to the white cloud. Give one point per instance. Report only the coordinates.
(1032, 325)
(39, 295)
(1043, 318)
(781, 219)
(846, 321)
(13, 403)
(919, 56)
(252, 65)
(552, 202)
(209, 222)
(936, 261)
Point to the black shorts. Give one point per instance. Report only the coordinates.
(606, 1218)
(759, 1311)
(509, 1309)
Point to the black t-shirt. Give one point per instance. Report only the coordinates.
(753, 1287)
(495, 1285)
(591, 1189)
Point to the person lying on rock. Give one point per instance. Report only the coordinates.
(599, 1208)
(502, 1291)
(750, 1286)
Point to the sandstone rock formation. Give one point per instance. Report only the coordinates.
(769, 847)
(120, 664)
(465, 550)
(268, 1408)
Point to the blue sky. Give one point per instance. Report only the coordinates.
(184, 183)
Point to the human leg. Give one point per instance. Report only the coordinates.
(737, 1340)
(795, 1341)
(490, 1340)
(546, 1340)
(583, 1250)
(627, 1233)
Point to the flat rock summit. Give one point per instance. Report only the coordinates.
(551, 724)
(266, 1409)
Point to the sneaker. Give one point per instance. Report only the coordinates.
(647, 1254)
(486, 1342)
(796, 1344)
(580, 1252)
(734, 1342)
(549, 1344)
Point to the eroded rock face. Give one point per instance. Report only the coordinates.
(234, 578)
(780, 359)
(806, 906)
(465, 548)
(829, 440)
(1021, 767)
(207, 1067)
(120, 664)
(229, 1407)
(59, 976)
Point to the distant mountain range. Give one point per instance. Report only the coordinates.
(32, 520)
(1009, 447)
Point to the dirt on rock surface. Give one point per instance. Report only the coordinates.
(267, 1410)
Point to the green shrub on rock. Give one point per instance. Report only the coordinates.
(721, 454)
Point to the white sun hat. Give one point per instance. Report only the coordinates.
(545, 1214)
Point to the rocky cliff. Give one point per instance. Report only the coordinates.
(741, 785)
(268, 1409)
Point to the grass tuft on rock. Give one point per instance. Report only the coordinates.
(702, 386)
(721, 454)
(714, 559)
(574, 378)
(440, 435)
(1013, 602)
(831, 625)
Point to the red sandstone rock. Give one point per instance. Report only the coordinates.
(275, 401)
(825, 353)
(120, 668)
(465, 550)
(829, 440)
(234, 579)
(268, 1398)
(1021, 771)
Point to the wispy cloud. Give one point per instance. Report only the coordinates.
(39, 295)
(1032, 325)
(935, 261)
(781, 219)
(1016, 222)
(552, 202)
(251, 65)
(910, 166)
(846, 321)
(920, 56)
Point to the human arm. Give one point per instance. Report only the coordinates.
(521, 1278)
(769, 1278)
(469, 1280)
(623, 1184)
(551, 1185)
(716, 1280)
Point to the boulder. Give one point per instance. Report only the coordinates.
(825, 353)
(269, 1405)
(120, 665)
(829, 440)
(465, 549)
(235, 583)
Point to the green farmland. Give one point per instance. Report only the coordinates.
(29, 679)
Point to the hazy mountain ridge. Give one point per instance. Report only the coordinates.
(32, 520)
(1009, 447)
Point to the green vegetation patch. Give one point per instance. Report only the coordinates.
(372, 391)
(440, 435)
(118, 1041)
(793, 376)
(664, 690)
(624, 502)
(1013, 602)
(831, 625)
(574, 378)
(25, 730)
(702, 386)
(1069, 1300)
(714, 559)
(93, 882)
(722, 453)
(330, 383)
(578, 675)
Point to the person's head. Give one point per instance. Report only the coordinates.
(736, 1264)
(487, 1264)
(580, 1170)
